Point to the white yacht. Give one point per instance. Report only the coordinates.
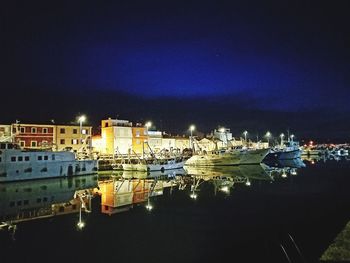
(17, 164)
(228, 157)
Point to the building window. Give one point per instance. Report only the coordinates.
(46, 157)
(74, 141)
(14, 130)
(40, 158)
(44, 143)
(138, 141)
(22, 143)
(13, 159)
(137, 133)
(34, 130)
(62, 130)
(20, 158)
(26, 158)
(53, 157)
(83, 131)
(45, 130)
(33, 143)
(62, 141)
(75, 131)
(22, 130)
(0, 159)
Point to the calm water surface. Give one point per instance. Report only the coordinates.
(237, 214)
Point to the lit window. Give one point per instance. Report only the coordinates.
(83, 131)
(74, 141)
(137, 133)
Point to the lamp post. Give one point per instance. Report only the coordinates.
(192, 128)
(245, 137)
(282, 136)
(292, 137)
(268, 135)
(147, 125)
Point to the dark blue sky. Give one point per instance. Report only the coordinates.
(284, 55)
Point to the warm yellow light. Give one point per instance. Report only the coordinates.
(80, 225)
(225, 189)
(149, 207)
(148, 124)
(82, 118)
(247, 183)
(193, 196)
(222, 130)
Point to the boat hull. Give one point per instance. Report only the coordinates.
(228, 158)
(42, 170)
(152, 167)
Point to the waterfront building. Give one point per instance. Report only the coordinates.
(205, 144)
(5, 133)
(96, 143)
(182, 143)
(155, 140)
(168, 143)
(34, 136)
(116, 136)
(71, 137)
(139, 137)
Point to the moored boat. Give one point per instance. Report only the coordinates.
(17, 164)
(155, 164)
(228, 157)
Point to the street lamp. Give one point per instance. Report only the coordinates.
(282, 136)
(245, 136)
(147, 125)
(268, 135)
(292, 137)
(192, 128)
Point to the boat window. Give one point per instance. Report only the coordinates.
(26, 202)
(10, 146)
(20, 158)
(19, 203)
(0, 160)
(53, 157)
(26, 158)
(13, 159)
(38, 200)
(2, 146)
(46, 157)
(12, 204)
(40, 158)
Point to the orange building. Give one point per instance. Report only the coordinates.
(139, 136)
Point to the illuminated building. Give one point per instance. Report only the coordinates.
(116, 136)
(139, 137)
(72, 138)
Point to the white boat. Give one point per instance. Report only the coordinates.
(17, 164)
(228, 157)
(155, 164)
(286, 151)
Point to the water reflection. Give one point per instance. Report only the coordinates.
(30, 200)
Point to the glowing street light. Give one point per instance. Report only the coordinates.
(245, 136)
(292, 137)
(192, 128)
(148, 124)
(282, 136)
(268, 136)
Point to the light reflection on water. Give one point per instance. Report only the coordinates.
(119, 192)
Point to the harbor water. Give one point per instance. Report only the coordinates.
(284, 212)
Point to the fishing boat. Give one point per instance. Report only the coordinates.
(285, 151)
(17, 164)
(228, 157)
(154, 164)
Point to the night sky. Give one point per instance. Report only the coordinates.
(253, 66)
